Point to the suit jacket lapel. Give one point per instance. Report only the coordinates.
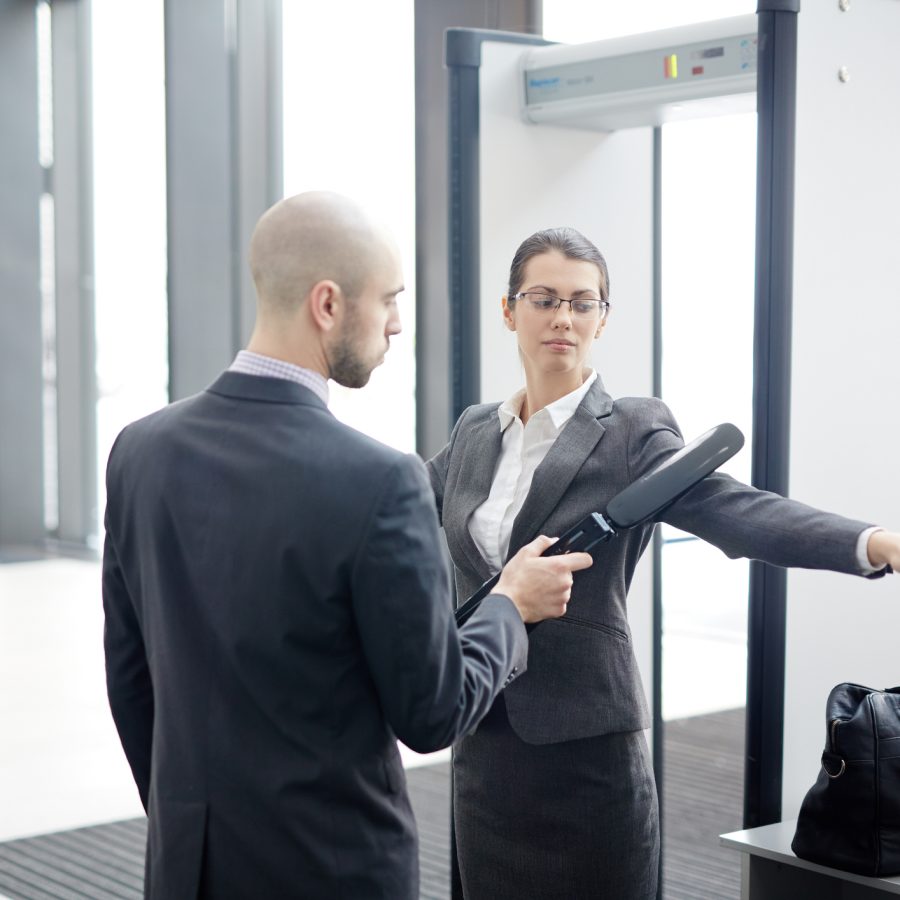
(480, 459)
(553, 476)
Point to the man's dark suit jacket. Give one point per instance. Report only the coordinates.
(277, 611)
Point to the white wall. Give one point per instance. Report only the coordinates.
(535, 177)
(846, 376)
(540, 176)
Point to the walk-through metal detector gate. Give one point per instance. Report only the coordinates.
(544, 135)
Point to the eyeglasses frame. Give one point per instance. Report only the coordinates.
(603, 305)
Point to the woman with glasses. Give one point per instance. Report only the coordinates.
(554, 795)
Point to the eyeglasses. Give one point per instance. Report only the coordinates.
(581, 306)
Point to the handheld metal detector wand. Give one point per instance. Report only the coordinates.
(640, 501)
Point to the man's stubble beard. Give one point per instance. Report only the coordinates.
(346, 366)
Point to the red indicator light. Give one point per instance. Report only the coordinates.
(697, 70)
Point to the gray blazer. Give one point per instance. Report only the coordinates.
(582, 677)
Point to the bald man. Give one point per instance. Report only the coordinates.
(277, 606)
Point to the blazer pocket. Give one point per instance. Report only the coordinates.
(597, 626)
(582, 680)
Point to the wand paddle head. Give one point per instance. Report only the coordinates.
(668, 481)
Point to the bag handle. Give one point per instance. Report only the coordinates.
(833, 757)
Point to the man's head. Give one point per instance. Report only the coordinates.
(327, 279)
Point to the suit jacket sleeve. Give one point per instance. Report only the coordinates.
(438, 465)
(435, 682)
(128, 685)
(437, 473)
(741, 520)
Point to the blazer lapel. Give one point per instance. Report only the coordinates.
(559, 467)
(479, 461)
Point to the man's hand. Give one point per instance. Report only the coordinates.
(883, 549)
(540, 586)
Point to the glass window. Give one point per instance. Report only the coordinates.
(575, 22)
(349, 126)
(129, 216)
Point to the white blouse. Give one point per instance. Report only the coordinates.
(522, 450)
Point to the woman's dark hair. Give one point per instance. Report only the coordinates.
(571, 243)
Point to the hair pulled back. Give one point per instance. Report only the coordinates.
(570, 243)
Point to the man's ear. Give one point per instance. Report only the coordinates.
(326, 304)
(509, 315)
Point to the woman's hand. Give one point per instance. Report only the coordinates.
(884, 550)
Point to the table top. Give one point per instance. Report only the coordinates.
(774, 842)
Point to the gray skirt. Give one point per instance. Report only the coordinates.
(574, 821)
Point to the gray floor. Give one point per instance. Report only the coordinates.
(702, 799)
(106, 862)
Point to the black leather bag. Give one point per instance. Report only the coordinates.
(850, 818)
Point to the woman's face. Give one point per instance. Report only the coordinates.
(556, 341)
